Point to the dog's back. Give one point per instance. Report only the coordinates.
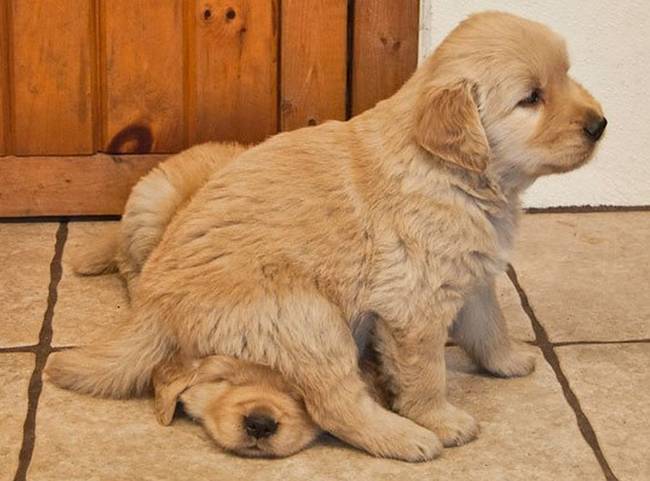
(152, 204)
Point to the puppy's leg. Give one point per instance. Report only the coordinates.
(323, 367)
(481, 330)
(345, 408)
(413, 355)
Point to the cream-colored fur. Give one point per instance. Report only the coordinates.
(407, 211)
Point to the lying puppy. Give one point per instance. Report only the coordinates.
(246, 408)
(405, 213)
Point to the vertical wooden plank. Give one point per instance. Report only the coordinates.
(4, 78)
(52, 42)
(385, 49)
(142, 75)
(232, 92)
(314, 56)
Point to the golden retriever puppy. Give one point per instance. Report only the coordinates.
(246, 408)
(405, 213)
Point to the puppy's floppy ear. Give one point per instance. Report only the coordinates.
(172, 378)
(449, 126)
(169, 380)
(196, 399)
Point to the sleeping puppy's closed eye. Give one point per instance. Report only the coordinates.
(246, 408)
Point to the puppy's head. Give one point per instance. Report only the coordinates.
(246, 408)
(497, 96)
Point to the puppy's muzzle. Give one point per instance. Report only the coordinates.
(595, 127)
(260, 426)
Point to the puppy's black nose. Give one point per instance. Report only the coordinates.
(594, 128)
(260, 426)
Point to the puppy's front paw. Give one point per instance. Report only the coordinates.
(515, 362)
(453, 426)
(402, 439)
(419, 445)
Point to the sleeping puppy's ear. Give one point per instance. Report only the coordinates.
(449, 126)
(169, 381)
(196, 399)
(172, 378)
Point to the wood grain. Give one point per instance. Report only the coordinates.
(232, 77)
(142, 75)
(314, 56)
(5, 113)
(80, 185)
(385, 49)
(52, 42)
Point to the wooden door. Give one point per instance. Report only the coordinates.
(93, 93)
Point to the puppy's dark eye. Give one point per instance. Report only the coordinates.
(533, 99)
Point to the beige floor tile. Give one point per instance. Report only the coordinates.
(586, 275)
(612, 383)
(15, 372)
(528, 432)
(25, 256)
(86, 303)
(518, 322)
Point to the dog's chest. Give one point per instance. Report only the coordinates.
(435, 252)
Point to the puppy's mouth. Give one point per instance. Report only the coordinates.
(255, 451)
(568, 163)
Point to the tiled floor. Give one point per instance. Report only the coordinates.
(577, 293)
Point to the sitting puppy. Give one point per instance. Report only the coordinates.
(405, 213)
(246, 408)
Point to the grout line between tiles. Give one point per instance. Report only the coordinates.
(586, 429)
(599, 343)
(587, 209)
(42, 351)
(30, 348)
(61, 348)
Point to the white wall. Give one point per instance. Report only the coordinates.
(609, 45)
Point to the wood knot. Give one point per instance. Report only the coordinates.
(391, 43)
(207, 14)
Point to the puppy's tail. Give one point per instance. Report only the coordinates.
(101, 257)
(118, 368)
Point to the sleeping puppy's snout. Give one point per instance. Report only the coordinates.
(254, 418)
(595, 127)
(260, 426)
